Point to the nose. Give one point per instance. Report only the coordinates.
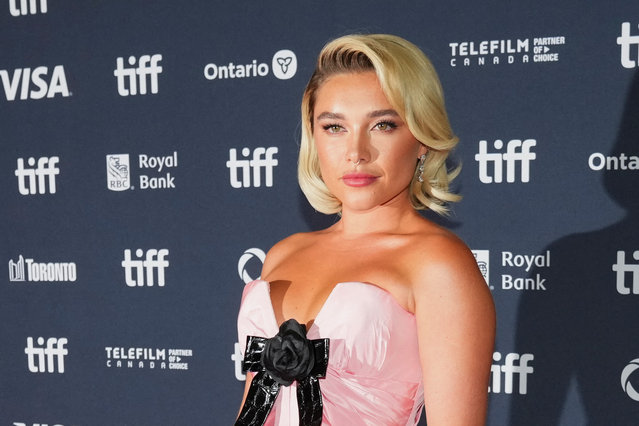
(358, 147)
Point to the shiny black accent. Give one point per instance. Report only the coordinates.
(264, 389)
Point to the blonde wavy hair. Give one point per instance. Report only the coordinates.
(411, 85)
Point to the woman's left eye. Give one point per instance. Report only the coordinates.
(385, 126)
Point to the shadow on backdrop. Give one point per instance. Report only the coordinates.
(582, 331)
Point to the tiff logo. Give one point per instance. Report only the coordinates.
(621, 268)
(45, 172)
(516, 152)
(626, 41)
(132, 81)
(54, 351)
(514, 365)
(25, 9)
(243, 179)
(154, 260)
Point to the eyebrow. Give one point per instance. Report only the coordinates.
(372, 114)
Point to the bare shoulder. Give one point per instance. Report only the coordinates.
(445, 268)
(284, 249)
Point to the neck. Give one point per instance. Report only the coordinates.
(393, 218)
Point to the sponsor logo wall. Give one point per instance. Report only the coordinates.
(148, 162)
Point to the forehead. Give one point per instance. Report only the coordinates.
(350, 91)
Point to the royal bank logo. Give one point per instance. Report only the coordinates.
(623, 270)
(140, 76)
(629, 45)
(508, 51)
(283, 66)
(37, 179)
(510, 371)
(146, 269)
(37, 83)
(250, 264)
(482, 257)
(246, 171)
(514, 163)
(524, 264)
(148, 358)
(46, 359)
(626, 384)
(24, 7)
(118, 172)
(153, 172)
(29, 270)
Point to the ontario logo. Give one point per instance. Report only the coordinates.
(283, 66)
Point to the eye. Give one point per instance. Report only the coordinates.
(385, 126)
(332, 128)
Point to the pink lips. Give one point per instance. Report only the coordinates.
(358, 179)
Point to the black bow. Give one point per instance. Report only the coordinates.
(278, 361)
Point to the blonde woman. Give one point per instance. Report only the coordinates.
(385, 312)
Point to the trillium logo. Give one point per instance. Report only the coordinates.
(625, 379)
(284, 64)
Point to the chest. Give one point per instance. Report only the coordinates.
(302, 284)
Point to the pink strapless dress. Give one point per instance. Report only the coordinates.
(374, 375)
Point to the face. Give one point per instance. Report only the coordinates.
(367, 153)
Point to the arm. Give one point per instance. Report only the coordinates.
(456, 331)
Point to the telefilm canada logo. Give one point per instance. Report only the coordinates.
(505, 51)
(24, 7)
(155, 172)
(28, 270)
(283, 67)
(147, 358)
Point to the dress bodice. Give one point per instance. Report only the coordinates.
(374, 375)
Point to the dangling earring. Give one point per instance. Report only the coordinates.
(420, 168)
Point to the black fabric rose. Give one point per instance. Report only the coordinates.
(289, 355)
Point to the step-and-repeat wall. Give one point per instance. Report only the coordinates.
(148, 161)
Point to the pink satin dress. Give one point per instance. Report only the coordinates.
(374, 375)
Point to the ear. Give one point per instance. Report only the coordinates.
(423, 149)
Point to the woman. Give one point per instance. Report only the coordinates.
(397, 313)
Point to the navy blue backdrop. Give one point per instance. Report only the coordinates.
(148, 160)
